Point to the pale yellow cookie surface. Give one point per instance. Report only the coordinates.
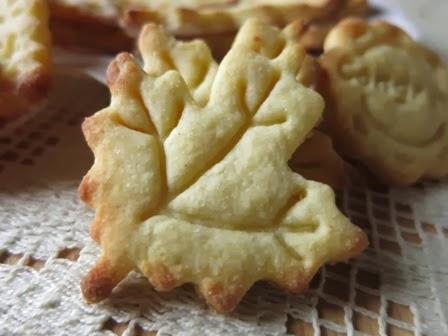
(388, 99)
(191, 180)
(25, 61)
(315, 159)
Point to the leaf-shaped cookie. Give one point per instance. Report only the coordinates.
(190, 187)
(25, 60)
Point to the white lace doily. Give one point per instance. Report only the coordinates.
(398, 287)
(42, 224)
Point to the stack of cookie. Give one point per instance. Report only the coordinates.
(218, 172)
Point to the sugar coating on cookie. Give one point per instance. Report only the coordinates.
(191, 181)
(315, 159)
(25, 57)
(387, 101)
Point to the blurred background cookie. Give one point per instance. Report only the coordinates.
(91, 24)
(25, 56)
(109, 25)
(387, 101)
(218, 20)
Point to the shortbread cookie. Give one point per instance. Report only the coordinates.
(91, 36)
(316, 30)
(94, 23)
(25, 61)
(387, 101)
(317, 160)
(194, 186)
(209, 17)
(216, 20)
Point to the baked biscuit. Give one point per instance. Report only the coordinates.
(387, 101)
(25, 61)
(194, 186)
(217, 21)
(91, 24)
(94, 23)
(317, 29)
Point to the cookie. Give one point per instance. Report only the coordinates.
(217, 21)
(317, 29)
(387, 101)
(25, 56)
(317, 160)
(98, 24)
(191, 182)
(89, 37)
(88, 24)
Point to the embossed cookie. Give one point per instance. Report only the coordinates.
(315, 159)
(25, 60)
(191, 180)
(388, 101)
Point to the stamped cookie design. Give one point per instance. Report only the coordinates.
(389, 101)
